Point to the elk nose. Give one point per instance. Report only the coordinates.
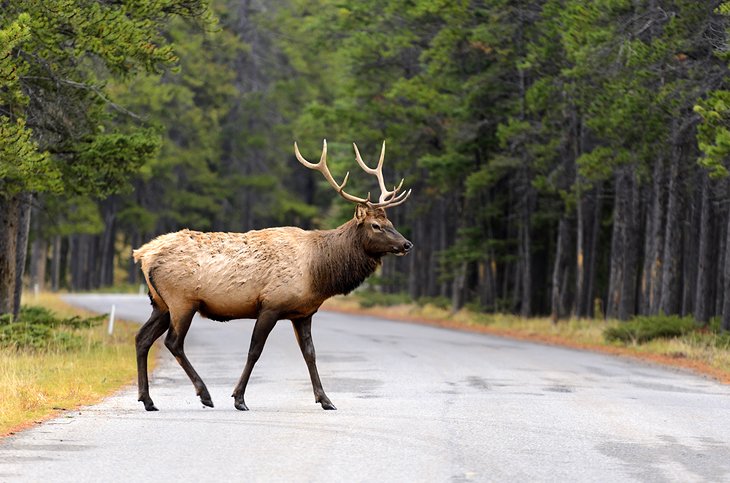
(407, 246)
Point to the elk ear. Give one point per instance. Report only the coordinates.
(361, 212)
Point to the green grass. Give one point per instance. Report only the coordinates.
(642, 329)
(38, 381)
(39, 329)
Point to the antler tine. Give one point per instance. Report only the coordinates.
(401, 200)
(394, 201)
(321, 166)
(378, 172)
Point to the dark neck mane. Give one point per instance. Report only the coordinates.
(339, 263)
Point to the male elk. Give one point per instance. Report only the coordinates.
(269, 275)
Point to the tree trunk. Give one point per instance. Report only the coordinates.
(565, 292)
(726, 276)
(580, 259)
(56, 264)
(431, 259)
(526, 256)
(651, 273)
(690, 247)
(618, 248)
(672, 236)
(414, 286)
(24, 209)
(627, 306)
(489, 300)
(525, 274)
(9, 214)
(720, 240)
(593, 254)
(458, 288)
(38, 254)
(443, 242)
(107, 248)
(80, 247)
(703, 299)
(555, 312)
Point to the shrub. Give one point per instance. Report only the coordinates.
(38, 328)
(642, 329)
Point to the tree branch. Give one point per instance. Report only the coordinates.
(96, 90)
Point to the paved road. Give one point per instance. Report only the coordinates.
(415, 403)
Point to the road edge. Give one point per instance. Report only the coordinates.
(678, 363)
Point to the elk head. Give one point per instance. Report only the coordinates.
(378, 234)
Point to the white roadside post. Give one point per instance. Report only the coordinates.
(111, 319)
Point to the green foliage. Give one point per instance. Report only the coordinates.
(76, 215)
(37, 328)
(22, 166)
(504, 116)
(12, 35)
(642, 329)
(55, 59)
(713, 134)
(107, 162)
(597, 164)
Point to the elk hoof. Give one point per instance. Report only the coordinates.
(328, 405)
(205, 397)
(240, 404)
(148, 404)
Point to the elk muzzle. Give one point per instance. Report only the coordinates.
(405, 248)
(401, 245)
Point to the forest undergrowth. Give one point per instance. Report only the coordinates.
(64, 359)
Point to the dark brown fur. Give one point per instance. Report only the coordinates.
(343, 264)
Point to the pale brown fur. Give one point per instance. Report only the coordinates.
(231, 275)
(271, 274)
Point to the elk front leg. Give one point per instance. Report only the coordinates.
(157, 324)
(303, 331)
(261, 330)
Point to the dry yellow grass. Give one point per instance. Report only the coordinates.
(34, 386)
(697, 353)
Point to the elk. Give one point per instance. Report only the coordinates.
(267, 275)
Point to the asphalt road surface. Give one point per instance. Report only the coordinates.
(415, 403)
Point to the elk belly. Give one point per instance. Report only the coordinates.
(223, 312)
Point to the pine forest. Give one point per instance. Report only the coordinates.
(567, 158)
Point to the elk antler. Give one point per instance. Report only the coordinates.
(387, 198)
(322, 168)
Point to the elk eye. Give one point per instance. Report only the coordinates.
(376, 227)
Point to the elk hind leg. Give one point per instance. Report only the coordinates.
(175, 340)
(157, 324)
(261, 330)
(303, 331)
